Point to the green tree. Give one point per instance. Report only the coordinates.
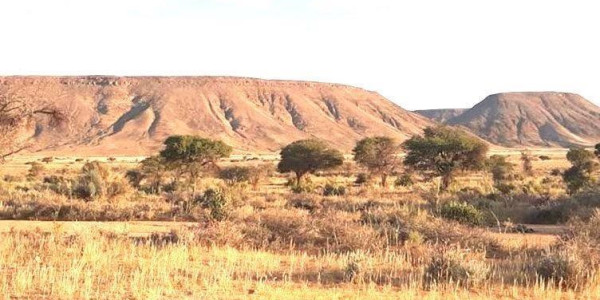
(580, 174)
(442, 151)
(192, 154)
(308, 156)
(378, 155)
(153, 171)
(235, 174)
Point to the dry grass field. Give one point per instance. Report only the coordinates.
(369, 243)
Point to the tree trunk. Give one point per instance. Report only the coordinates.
(384, 180)
(446, 181)
(299, 178)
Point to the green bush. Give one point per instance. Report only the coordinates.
(235, 174)
(217, 202)
(462, 212)
(334, 190)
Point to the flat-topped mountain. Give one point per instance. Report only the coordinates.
(533, 119)
(133, 115)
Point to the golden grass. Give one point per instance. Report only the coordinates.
(96, 265)
(132, 260)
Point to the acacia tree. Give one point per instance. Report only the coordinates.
(308, 156)
(18, 113)
(153, 171)
(583, 165)
(192, 154)
(378, 155)
(442, 151)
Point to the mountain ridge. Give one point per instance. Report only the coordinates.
(546, 119)
(133, 115)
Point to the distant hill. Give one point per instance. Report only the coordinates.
(533, 119)
(133, 115)
(441, 115)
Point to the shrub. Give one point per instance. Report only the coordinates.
(89, 186)
(563, 268)
(307, 202)
(58, 184)
(505, 188)
(334, 190)
(134, 177)
(48, 159)
(362, 178)
(12, 178)
(556, 172)
(456, 267)
(404, 180)
(259, 173)
(36, 170)
(462, 212)
(217, 202)
(302, 188)
(544, 157)
(235, 174)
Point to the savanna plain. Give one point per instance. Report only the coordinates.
(136, 228)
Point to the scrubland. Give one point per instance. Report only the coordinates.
(342, 236)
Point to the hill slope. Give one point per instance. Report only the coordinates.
(441, 115)
(533, 119)
(133, 115)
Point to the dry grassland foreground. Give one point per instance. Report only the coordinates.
(75, 229)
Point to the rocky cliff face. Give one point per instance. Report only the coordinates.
(533, 119)
(133, 115)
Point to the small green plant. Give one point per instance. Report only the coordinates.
(334, 190)
(462, 212)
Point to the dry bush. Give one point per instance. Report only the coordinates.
(456, 267)
(565, 268)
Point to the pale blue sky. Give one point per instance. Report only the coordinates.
(420, 54)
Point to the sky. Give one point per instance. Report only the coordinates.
(420, 54)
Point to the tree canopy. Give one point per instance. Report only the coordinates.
(583, 165)
(442, 151)
(308, 156)
(188, 149)
(193, 154)
(378, 154)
